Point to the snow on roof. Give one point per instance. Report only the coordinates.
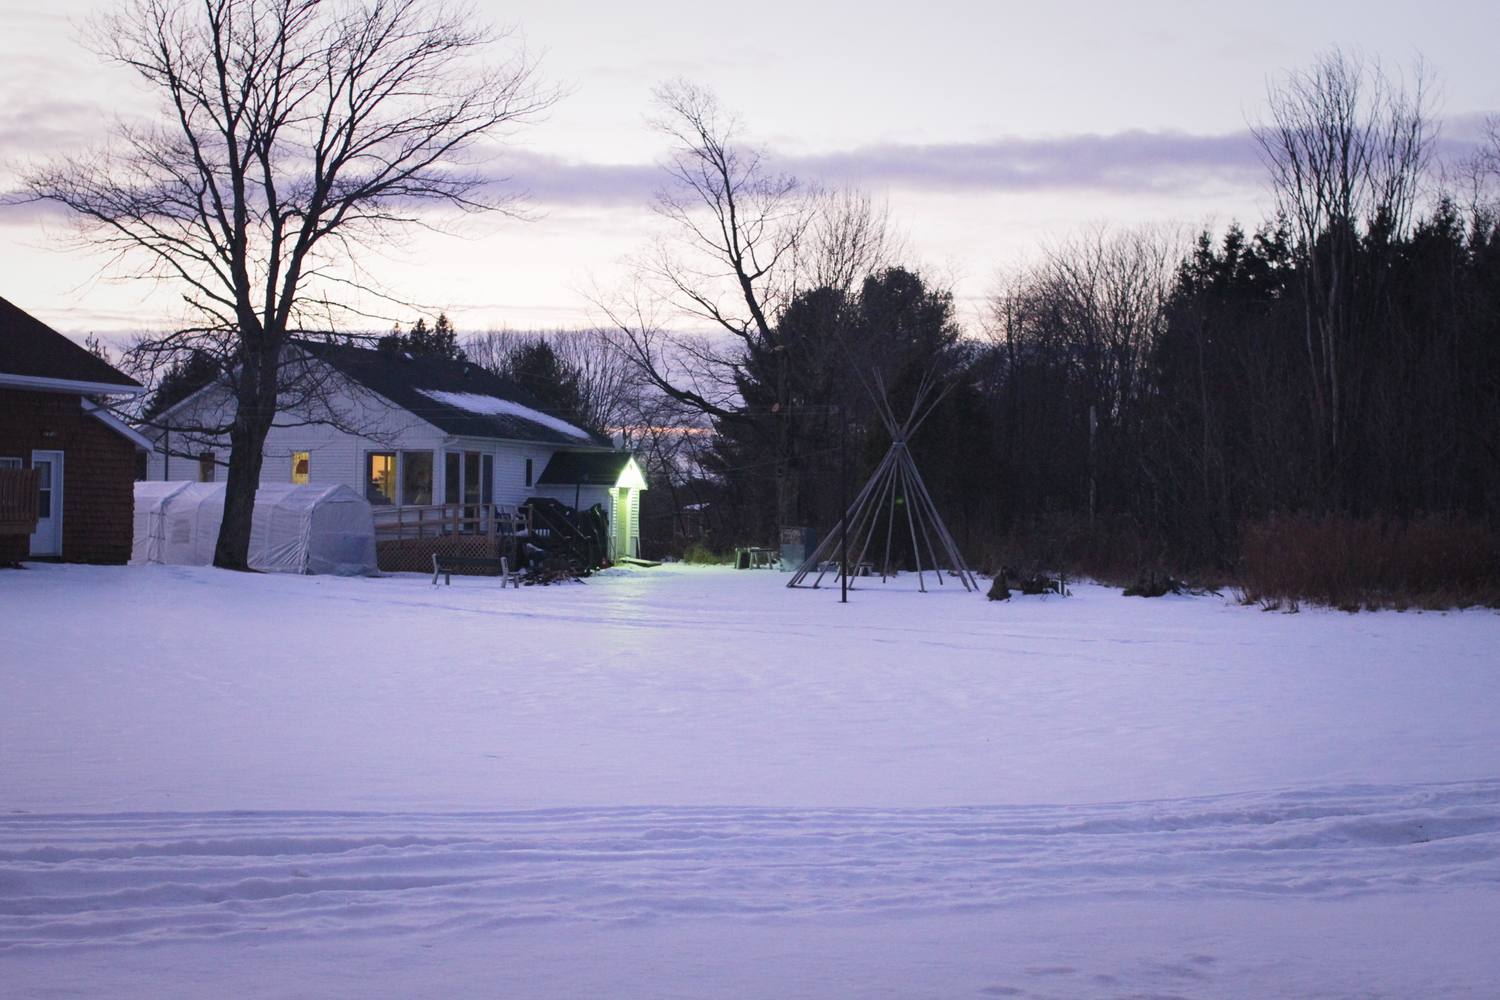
(476, 403)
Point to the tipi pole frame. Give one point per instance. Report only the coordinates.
(858, 513)
(954, 556)
(872, 517)
(926, 536)
(911, 524)
(890, 527)
(896, 476)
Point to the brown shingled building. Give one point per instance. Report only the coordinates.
(67, 467)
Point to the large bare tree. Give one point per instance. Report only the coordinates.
(741, 241)
(605, 394)
(1347, 143)
(1090, 309)
(295, 135)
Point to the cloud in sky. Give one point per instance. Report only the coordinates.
(1159, 163)
(1134, 162)
(1124, 163)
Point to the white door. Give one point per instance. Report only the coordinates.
(622, 522)
(47, 540)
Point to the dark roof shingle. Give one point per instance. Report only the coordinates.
(31, 349)
(402, 379)
(584, 468)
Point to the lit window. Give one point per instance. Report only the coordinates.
(380, 478)
(299, 466)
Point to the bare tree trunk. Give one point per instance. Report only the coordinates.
(256, 405)
(247, 440)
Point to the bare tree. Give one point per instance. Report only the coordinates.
(1088, 312)
(741, 242)
(847, 237)
(1347, 145)
(1473, 182)
(601, 378)
(295, 134)
(1102, 293)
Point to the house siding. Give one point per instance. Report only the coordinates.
(98, 474)
(338, 456)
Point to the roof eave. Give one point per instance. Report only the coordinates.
(37, 383)
(119, 426)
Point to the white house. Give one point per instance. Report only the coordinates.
(413, 432)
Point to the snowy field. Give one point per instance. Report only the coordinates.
(686, 782)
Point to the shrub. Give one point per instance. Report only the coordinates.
(1341, 562)
(1107, 549)
(702, 555)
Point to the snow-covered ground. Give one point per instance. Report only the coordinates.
(688, 782)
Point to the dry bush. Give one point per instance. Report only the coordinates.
(1111, 550)
(1378, 562)
(700, 554)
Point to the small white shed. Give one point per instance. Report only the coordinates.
(296, 528)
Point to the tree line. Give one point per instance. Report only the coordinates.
(1134, 401)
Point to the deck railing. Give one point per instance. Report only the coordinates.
(407, 537)
(437, 520)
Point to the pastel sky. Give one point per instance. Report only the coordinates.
(988, 128)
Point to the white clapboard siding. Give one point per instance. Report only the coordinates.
(368, 423)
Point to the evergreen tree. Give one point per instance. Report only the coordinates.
(180, 381)
(439, 342)
(535, 367)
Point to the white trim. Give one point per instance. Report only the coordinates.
(40, 384)
(55, 487)
(120, 427)
(631, 476)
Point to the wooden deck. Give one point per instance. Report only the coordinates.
(406, 538)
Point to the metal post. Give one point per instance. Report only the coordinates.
(844, 503)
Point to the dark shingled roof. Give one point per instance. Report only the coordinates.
(584, 468)
(399, 378)
(31, 348)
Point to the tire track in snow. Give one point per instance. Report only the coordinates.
(69, 880)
